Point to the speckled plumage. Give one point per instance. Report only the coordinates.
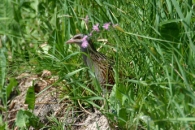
(97, 62)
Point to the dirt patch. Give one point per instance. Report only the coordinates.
(48, 104)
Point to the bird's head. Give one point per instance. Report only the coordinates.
(76, 39)
(82, 40)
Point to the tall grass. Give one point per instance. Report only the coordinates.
(153, 44)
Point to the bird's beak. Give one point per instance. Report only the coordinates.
(70, 41)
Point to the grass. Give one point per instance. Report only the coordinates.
(153, 43)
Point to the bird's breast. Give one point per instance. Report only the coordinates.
(102, 70)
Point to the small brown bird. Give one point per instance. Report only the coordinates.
(97, 62)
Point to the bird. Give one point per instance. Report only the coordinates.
(98, 63)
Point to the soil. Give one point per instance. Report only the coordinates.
(48, 103)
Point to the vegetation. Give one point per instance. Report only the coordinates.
(153, 43)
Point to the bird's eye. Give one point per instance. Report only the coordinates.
(78, 37)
